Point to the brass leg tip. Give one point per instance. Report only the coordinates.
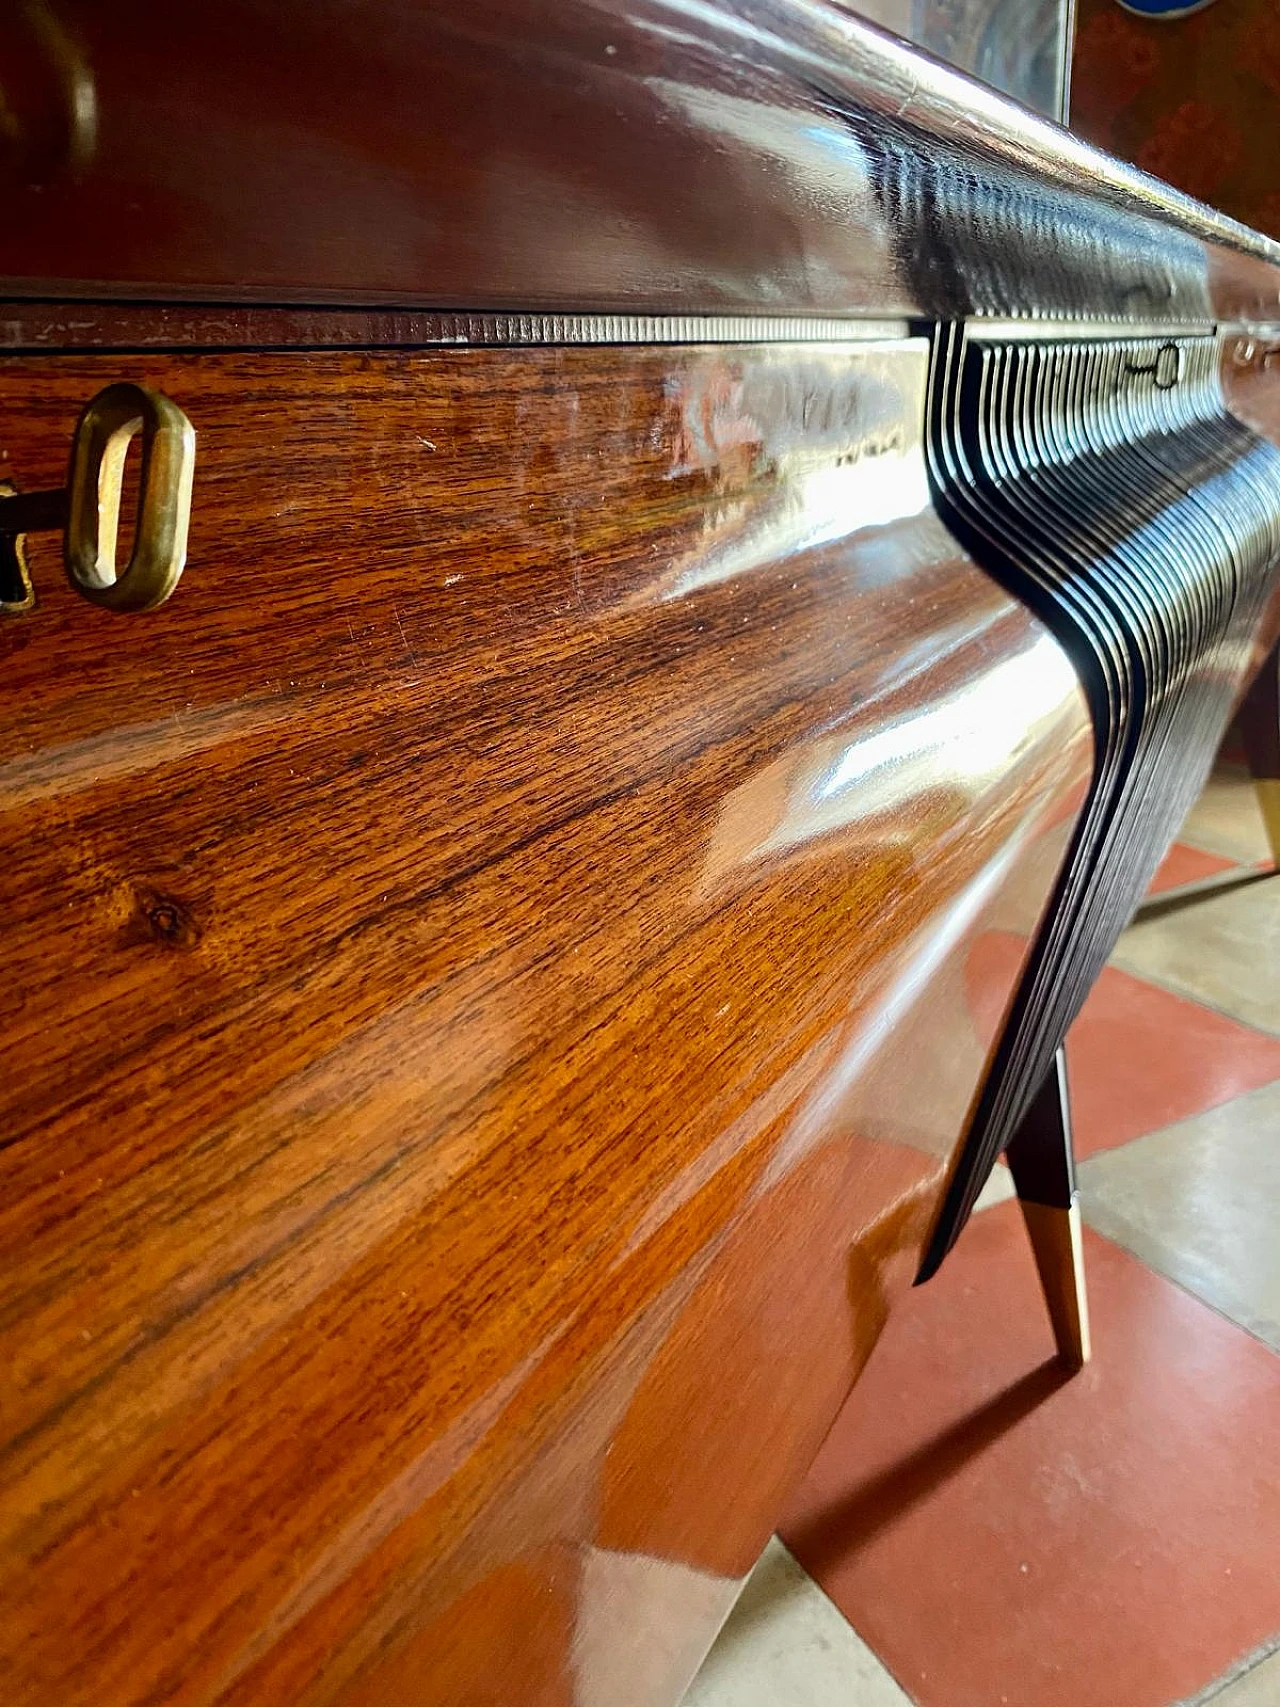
(1267, 789)
(1058, 1248)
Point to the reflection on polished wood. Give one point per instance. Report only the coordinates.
(650, 157)
(495, 977)
(503, 970)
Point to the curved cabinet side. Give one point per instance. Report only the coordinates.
(497, 970)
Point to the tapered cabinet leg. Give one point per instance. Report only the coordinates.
(1043, 1169)
(1260, 725)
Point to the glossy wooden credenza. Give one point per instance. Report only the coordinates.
(514, 965)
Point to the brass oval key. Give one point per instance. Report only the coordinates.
(89, 508)
(98, 455)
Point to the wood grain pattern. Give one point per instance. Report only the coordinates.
(494, 983)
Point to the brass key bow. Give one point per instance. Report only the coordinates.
(88, 508)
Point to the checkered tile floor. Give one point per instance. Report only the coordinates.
(978, 1530)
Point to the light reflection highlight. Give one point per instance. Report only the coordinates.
(965, 742)
(964, 739)
(817, 505)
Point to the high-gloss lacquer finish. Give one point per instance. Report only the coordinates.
(492, 986)
(646, 155)
(503, 972)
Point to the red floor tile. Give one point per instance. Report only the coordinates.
(1183, 864)
(1139, 1058)
(1006, 1537)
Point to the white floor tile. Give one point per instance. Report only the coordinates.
(1221, 949)
(786, 1645)
(1198, 1201)
(1227, 820)
(998, 1189)
(1259, 1687)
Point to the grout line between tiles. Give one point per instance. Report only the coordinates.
(1172, 1280)
(874, 1652)
(1186, 996)
(1169, 1125)
(1165, 902)
(1233, 1674)
(1208, 845)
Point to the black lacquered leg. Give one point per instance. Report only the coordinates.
(1043, 1169)
(1260, 726)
